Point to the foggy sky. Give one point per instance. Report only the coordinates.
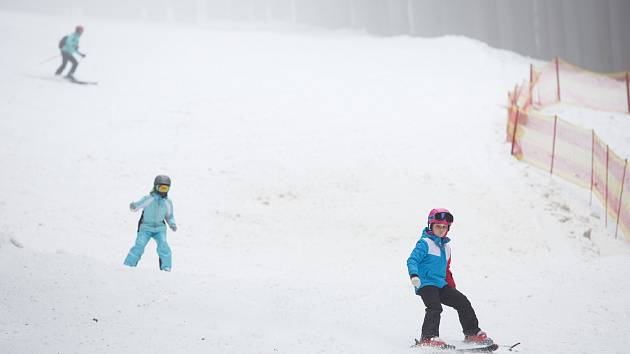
(594, 34)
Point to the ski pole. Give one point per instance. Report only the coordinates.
(49, 59)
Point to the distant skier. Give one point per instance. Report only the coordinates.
(156, 209)
(69, 45)
(430, 273)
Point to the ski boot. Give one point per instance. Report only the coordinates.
(434, 342)
(480, 338)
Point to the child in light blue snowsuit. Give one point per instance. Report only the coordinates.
(156, 209)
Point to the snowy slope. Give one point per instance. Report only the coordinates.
(303, 164)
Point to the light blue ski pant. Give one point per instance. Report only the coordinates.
(143, 237)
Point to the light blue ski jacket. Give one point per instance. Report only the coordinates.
(156, 209)
(72, 43)
(430, 261)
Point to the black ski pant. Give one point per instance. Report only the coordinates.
(65, 58)
(433, 298)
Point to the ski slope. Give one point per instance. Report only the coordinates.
(304, 163)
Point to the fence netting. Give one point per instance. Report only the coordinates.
(564, 149)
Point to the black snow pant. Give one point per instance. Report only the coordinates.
(433, 298)
(65, 58)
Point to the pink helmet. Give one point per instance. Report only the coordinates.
(440, 216)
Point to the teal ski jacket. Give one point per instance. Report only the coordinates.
(156, 209)
(72, 43)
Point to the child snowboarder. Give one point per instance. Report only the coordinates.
(156, 208)
(430, 273)
(68, 46)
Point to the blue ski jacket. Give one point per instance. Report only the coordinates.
(156, 209)
(430, 261)
(72, 43)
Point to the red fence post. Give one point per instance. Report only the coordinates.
(623, 180)
(606, 204)
(558, 77)
(592, 163)
(628, 90)
(515, 127)
(553, 147)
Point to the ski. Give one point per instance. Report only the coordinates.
(448, 347)
(81, 82)
(511, 347)
(486, 349)
(62, 79)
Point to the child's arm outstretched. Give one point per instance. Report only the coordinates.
(143, 202)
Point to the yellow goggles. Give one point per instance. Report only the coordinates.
(163, 188)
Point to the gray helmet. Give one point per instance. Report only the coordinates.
(161, 179)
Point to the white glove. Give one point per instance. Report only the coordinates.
(415, 281)
(173, 227)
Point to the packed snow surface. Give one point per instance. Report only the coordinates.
(304, 163)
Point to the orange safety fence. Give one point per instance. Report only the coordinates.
(560, 81)
(573, 153)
